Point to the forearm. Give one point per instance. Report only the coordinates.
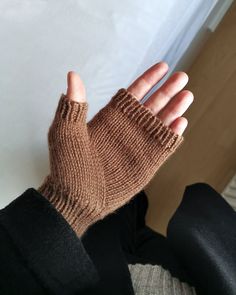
(39, 250)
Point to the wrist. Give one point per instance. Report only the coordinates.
(79, 216)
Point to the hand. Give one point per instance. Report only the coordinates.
(97, 167)
(169, 102)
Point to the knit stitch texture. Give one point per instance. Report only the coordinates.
(97, 167)
(150, 279)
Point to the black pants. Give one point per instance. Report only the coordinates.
(200, 247)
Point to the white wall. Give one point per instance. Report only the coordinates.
(108, 42)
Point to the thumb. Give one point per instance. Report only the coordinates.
(75, 87)
(73, 106)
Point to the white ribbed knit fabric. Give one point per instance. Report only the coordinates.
(155, 280)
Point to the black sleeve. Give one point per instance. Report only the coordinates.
(39, 251)
(202, 232)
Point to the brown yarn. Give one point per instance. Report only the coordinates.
(99, 166)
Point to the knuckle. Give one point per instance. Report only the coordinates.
(172, 112)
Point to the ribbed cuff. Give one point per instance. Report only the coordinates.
(77, 216)
(147, 279)
(70, 110)
(128, 104)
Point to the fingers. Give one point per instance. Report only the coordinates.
(143, 84)
(159, 99)
(75, 87)
(176, 107)
(179, 125)
(170, 101)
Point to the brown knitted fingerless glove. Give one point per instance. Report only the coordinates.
(99, 166)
